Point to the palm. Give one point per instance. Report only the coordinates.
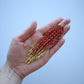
(21, 44)
(18, 54)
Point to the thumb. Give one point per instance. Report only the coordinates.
(27, 33)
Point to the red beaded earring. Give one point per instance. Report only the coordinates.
(50, 39)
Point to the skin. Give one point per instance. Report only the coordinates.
(18, 51)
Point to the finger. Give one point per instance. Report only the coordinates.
(57, 47)
(64, 22)
(28, 32)
(66, 29)
(46, 27)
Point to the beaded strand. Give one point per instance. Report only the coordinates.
(49, 40)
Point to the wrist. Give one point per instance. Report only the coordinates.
(8, 74)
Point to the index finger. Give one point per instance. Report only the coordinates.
(46, 27)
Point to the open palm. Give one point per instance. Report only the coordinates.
(21, 43)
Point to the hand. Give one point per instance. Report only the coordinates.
(21, 43)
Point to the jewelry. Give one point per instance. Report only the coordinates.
(49, 40)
